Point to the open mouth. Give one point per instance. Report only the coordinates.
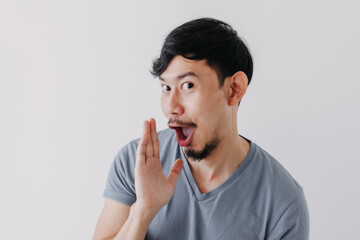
(184, 135)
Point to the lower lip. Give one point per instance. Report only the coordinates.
(184, 142)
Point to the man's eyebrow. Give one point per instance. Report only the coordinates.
(181, 76)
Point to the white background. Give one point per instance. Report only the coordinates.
(75, 87)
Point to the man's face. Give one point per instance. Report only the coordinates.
(197, 108)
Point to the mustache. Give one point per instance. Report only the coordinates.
(180, 122)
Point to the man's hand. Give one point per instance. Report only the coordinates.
(153, 189)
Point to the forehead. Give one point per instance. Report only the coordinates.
(180, 66)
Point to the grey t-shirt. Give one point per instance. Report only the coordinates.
(259, 201)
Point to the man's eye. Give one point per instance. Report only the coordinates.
(188, 85)
(166, 88)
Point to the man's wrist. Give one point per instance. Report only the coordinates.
(144, 216)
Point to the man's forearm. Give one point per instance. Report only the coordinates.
(136, 225)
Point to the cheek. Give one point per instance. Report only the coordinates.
(200, 110)
(163, 105)
(212, 108)
(210, 102)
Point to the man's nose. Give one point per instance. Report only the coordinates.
(175, 103)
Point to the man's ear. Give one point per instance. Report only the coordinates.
(238, 83)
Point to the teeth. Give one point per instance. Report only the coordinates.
(186, 131)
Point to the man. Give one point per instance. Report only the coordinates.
(220, 184)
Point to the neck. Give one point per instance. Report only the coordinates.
(221, 164)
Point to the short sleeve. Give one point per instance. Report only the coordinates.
(120, 182)
(294, 222)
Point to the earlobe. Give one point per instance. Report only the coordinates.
(238, 86)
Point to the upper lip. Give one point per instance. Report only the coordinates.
(180, 124)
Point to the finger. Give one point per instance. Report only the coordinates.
(141, 150)
(149, 146)
(154, 137)
(175, 172)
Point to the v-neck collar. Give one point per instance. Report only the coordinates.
(213, 193)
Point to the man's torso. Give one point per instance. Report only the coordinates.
(249, 205)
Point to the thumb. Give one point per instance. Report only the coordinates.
(175, 172)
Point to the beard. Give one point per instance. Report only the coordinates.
(198, 155)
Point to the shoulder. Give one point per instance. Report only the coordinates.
(120, 182)
(280, 181)
(167, 137)
(167, 142)
(285, 196)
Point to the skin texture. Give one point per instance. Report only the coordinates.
(197, 104)
(191, 96)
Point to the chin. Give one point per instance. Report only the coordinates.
(198, 155)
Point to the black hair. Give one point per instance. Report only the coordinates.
(210, 39)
